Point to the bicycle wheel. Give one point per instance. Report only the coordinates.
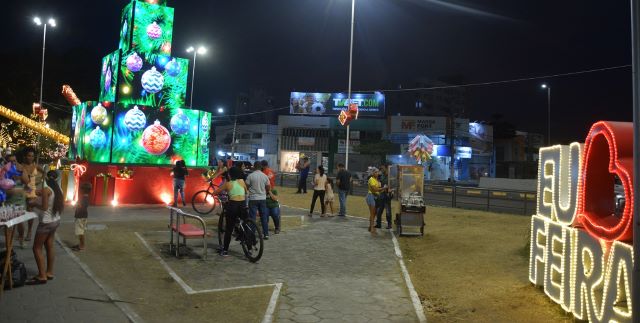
(252, 244)
(203, 202)
(222, 222)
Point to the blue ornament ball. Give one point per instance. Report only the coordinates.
(180, 123)
(172, 68)
(97, 138)
(152, 81)
(135, 119)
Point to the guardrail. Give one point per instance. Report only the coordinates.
(465, 197)
(475, 198)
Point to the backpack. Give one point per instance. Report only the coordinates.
(18, 270)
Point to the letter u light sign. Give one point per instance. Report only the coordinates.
(581, 249)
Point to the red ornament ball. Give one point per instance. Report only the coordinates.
(156, 139)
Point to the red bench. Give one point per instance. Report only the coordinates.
(186, 230)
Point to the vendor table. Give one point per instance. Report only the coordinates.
(9, 229)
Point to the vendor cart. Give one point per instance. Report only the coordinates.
(408, 181)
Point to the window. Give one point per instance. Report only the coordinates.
(257, 135)
(245, 136)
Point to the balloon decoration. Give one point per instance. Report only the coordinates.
(156, 139)
(421, 148)
(180, 123)
(7, 184)
(98, 114)
(172, 68)
(154, 31)
(135, 119)
(152, 81)
(134, 62)
(97, 138)
(71, 97)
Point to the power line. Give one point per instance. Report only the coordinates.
(504, 81)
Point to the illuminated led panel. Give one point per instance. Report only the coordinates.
(109, 76)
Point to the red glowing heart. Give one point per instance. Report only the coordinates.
(608, 150)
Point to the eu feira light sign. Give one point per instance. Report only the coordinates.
(581, 250)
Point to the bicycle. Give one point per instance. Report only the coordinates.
(247, 232)
(203, 201)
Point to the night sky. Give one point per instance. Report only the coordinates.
(303, 45)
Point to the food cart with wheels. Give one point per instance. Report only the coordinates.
(408, 181)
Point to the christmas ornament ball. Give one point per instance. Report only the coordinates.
(156, 139)
(180, 123)
(107, 79)
(134, 62)
(172, 68)
(97, 138)
(98, 114)
(135, 119)
(154, 31)
(152, 81)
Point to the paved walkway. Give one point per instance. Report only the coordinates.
(71, 297)
(332, 270)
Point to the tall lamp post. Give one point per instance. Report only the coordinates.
(201, 50)
(544, 86)
(51, 22)
(635, 57)
(353, 12)
(233, 136)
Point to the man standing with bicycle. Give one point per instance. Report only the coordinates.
(258, 185)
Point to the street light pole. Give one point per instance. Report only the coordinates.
(353, 12)
(38, 22)
(635, 56)
(548, 88)
(193, 76)
(201, 50)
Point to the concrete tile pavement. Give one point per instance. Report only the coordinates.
(71, 297)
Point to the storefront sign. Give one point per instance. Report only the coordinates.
(352, 145)
(306, 141)
(425, 125)
(581, 252)
(331, 104)
(444, 150)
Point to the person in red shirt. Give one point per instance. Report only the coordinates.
(269, 172)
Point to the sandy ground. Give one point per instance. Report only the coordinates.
(470, 266)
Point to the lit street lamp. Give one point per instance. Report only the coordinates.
(548, 88)
(51, 22)
(201, 50)
(233, 136)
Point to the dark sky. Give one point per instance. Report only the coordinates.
(284, 45)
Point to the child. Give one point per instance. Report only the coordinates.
(81, 215)
(328, 200)
(273, 207)
(179, 172)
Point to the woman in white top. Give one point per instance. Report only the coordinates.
(49, 207)
(319, 182)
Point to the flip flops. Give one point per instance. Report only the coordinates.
(36, 281)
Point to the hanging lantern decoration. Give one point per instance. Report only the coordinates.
(180, 123)
(97, 138)
(98, 114)
(172, 68)
(154, 31)
(152, 81)
(156, 139)
(134, 62)
(107, 79)
(135, 119)
(421, 148)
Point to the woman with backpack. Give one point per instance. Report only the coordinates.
(319, 183)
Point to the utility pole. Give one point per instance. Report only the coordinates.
(233, 137)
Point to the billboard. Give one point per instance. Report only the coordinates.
(330, 104)
(425, 125)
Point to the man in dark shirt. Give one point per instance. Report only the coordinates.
(343, 182)
(303, 167)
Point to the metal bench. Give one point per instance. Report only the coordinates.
(181, 228)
